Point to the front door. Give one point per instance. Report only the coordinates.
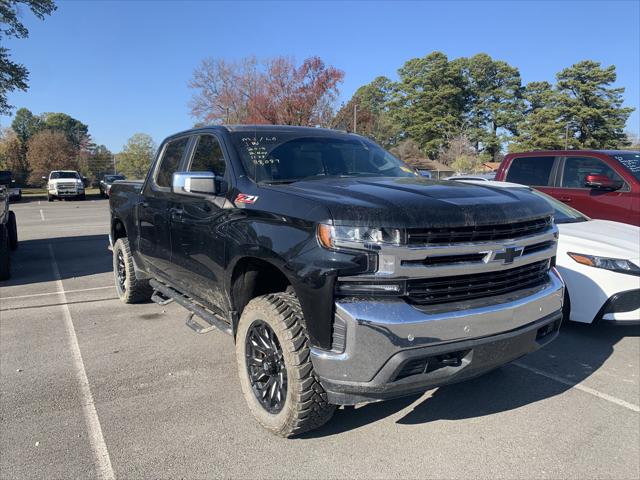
(156, 208)
(603, 204)
(198, 247)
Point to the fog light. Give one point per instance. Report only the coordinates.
(371, 288)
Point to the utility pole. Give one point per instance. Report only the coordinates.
(355, 117)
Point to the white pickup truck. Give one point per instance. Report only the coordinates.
(65, 184)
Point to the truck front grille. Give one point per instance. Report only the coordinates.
(431, 291)
(478, 233)
(66, 186)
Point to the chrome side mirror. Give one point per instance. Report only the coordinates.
(195, 184)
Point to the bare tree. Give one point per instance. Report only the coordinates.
(274, 92)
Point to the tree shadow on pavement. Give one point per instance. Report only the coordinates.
(577, 353)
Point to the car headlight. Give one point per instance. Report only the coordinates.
(336, 236)
(619, 265)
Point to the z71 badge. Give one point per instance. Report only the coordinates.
(244, 198)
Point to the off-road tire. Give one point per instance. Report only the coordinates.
(12, 228)
(305, 407)
(5, 254)
(133, 289)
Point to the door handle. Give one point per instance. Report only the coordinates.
(176, 211)
(143, 204)
(565, 199)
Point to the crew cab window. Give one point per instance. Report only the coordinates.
(170, 161)
(535, 171)
(208, 156)
(576, 170)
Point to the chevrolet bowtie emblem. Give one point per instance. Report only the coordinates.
(509, 254)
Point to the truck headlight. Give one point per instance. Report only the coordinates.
(619, 265)
(336, 236)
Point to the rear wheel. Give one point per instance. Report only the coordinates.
(5, 260)
(276, 373)
(130, 289)
(12, 228)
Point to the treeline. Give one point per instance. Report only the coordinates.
(463, 111)
(36, 144)
(470, 110)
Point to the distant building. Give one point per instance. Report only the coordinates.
(490, 167)
(437, 169)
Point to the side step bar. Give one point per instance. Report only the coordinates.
(165, 294)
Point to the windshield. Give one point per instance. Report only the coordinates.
(285, 157)
(113, 178)
(630, 161)
(561, 212)
(55, 175)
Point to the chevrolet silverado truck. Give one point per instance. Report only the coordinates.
(64, 184)
(343, 276)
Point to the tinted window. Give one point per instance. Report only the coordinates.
(630, 161)
(170, 161)
(284, 157)
(208, 156)
(576, 170)
(530, 170)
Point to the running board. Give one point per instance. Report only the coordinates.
(159, 298)
(209, 319)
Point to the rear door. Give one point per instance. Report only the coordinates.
(534, 171)
(602, 204)
(157, 205)
(198, 246)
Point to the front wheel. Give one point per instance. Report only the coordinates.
(129, 287)
(49, 198)
(276, 373)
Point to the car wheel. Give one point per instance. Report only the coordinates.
(50, 198)
(5, 256)
(130, 289)
(276, 373)
(12, 228)
(82, 197)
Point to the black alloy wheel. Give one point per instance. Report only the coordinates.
(265, 367)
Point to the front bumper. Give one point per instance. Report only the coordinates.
(392, 348)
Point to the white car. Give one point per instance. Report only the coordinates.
(599, 261)
(65, 184)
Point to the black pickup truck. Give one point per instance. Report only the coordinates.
(343, 276)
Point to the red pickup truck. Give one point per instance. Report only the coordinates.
(602, 184)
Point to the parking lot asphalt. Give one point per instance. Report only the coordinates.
(91, 387)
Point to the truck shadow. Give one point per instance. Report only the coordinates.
(576, 354)
(77, 256)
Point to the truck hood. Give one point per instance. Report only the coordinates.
(417, 202)
(601, 237)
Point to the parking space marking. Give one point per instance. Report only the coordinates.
(104, 469)
(582, 388)
(57, 293)
(42, 215)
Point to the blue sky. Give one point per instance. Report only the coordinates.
(123, 67)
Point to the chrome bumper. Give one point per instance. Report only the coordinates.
(377, 331)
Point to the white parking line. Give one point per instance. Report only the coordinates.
(57, 293)
(98, 446)
(582, 388)
(42, 215)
